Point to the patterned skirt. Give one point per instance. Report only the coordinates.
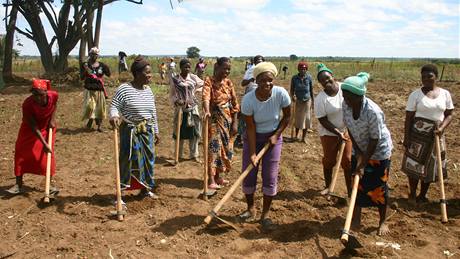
(137, 156)
(94, 105)
(220, 147)
(419, 160)
(373, 188)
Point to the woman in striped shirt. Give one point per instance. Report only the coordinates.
(133, 111)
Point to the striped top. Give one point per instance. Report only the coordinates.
(135, 105)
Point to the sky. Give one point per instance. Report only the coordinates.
(357, 28)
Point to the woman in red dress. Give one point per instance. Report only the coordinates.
(38, 115)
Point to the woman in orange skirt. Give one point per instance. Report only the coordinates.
(38, 115)
(220, 104)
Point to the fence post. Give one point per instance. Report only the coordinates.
(442, 73)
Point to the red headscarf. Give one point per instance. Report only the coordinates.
(41, 84)
(302, 64)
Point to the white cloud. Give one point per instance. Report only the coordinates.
(314, 28)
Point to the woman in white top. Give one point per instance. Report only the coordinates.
(328, 110)
(429, 111)
(262, 112)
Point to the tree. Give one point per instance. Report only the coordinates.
(193, 52)
(293, 57)
(7, 43)
(67, 31)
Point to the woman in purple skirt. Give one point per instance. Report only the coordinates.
(262, 113)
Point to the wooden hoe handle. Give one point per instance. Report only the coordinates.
(48, 167)
(235, 185)
(441, 179)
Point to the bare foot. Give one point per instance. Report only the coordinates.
(383, 229)
(325, 191)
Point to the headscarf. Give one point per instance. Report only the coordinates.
(139, 63)
(322, 68)
(302, 64)
(94, 50)
(265, 67)
(41, 84)
(356, 84)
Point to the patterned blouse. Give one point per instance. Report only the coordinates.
(220, 94)
(369, 125)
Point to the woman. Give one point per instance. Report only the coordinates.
(372, 147)
(94, 105)
(302, 95)
(220, 105)
(133, 111)
(429, 111)
(38, 115)
(328, 110)
(182, 96)
(200, 68)
(262, 112)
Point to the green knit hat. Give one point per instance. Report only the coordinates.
(356, 84)
(321, 68)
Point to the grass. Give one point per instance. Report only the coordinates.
(393, 69)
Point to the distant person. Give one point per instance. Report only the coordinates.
(285, 69)
(302, 95)
(429, 111)
(220, 105)
(248, 64)
(249, 84)
(262, 110)
(332, 130)
(38, 116)
(248, 79)
(133, 110)
(122, 65)
(94, 103)
(171, 68)
(372, 147)
(182, 95)
(162, 70)
(200, 68)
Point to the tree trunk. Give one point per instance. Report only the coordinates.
(8, 48)
(97, 33)
(89, 26)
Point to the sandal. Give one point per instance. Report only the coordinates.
(267, 225)
(15, 190)
(246, 216)
(214, 186)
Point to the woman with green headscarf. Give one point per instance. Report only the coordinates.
(372, 147)
(331, 129)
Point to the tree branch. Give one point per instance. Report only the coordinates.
(136, 2)
(50, 18)
(54, 13)
(52, 41)
(27, 34)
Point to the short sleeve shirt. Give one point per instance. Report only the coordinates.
(331, 108)
(248, 75)
(428, 108)
(369, 125)
(267, 114)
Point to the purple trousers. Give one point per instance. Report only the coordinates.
(270, 165)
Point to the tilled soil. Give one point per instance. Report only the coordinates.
(78, 224)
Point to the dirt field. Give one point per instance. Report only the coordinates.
(78, 224)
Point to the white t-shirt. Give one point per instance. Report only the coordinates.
(248, 76)
(330, 107)
(267, 114)
(431, 109)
